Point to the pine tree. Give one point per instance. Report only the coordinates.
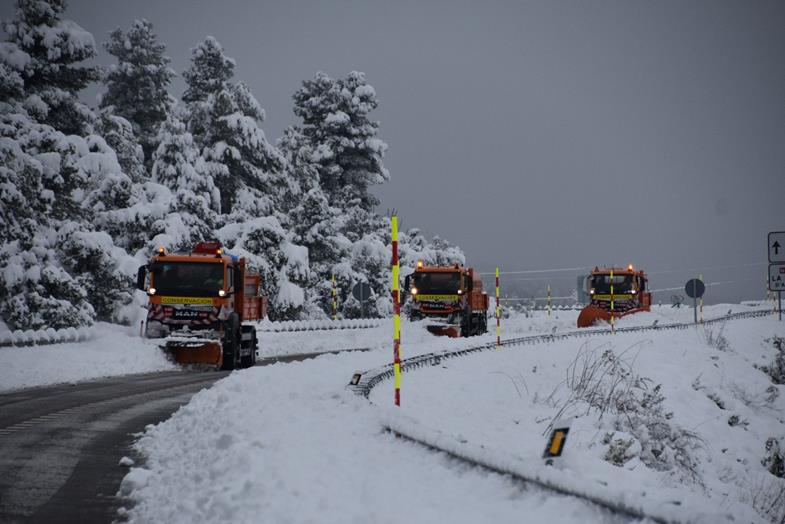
(119, 135)
(224, 120)
(195, 196)
(53, 76)
(209, 73)
(335, 120)
(136, 87)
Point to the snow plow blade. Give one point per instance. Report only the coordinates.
(210, 354)
(444, 331)
(591, 314)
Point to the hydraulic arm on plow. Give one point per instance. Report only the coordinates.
(197, 303)
(614, 292)
(450, 295)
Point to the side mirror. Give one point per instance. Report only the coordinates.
(141, 275)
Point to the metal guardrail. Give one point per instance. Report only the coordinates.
(292, 326)
(369, 379)
(44, 337)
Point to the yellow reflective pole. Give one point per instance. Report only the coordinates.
(396, 311)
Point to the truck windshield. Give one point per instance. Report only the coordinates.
(437, 283)
(622, 284)
(188, 278)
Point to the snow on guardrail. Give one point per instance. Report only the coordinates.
(318, 325)
(43, 337)
(367, 380)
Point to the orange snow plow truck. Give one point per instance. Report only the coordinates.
(451, 295)
(614, 293)
(197, 303)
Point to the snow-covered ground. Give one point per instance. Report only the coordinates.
(289, 443)
(109, 351)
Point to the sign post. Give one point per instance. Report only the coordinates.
(777, 283)
(362, 292)
(776, 245)
(695, 289)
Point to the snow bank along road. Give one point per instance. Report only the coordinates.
(60, 445)
(292, 444)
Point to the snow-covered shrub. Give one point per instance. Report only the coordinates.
(774, 460)
(776, 370)
(103, 270)
(767, 496)
(605, 383)
(713, 336)
(36, 292)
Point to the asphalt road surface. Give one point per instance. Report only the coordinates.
(60, 446)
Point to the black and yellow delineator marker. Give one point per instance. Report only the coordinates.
(556, 442)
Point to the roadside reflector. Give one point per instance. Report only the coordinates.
(355, 379)
(557, 441)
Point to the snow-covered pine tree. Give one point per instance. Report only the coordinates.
(253, 174)
(53, 77)
(346, 148)
(209, 73)
(119, 135)
(195, 197)
(70, 179)
(224, 119)
(137, 86)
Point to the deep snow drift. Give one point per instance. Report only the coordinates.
(289, 443)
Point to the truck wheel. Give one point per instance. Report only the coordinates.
(249, 360)
(231, 343)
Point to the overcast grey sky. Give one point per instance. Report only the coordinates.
(537, 134)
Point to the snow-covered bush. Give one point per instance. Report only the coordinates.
(776, 370)
(713, 335)
(605, 383)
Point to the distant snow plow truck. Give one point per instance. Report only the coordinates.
(614, 292)
(197, 303)
(450, 295)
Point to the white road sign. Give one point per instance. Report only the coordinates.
(777, 246)
(776, 277)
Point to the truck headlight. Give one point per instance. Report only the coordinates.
(151, 291)
(460, 292)
(221, 293)
(414, 291)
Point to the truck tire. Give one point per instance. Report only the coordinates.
(231, 343)
(249, 360)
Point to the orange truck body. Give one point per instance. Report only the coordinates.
(451, 294)
(199, 303)
(629, 294)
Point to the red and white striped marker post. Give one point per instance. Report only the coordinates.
(396, 311)
(335, 299)
(498, 314)
(549, 300)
